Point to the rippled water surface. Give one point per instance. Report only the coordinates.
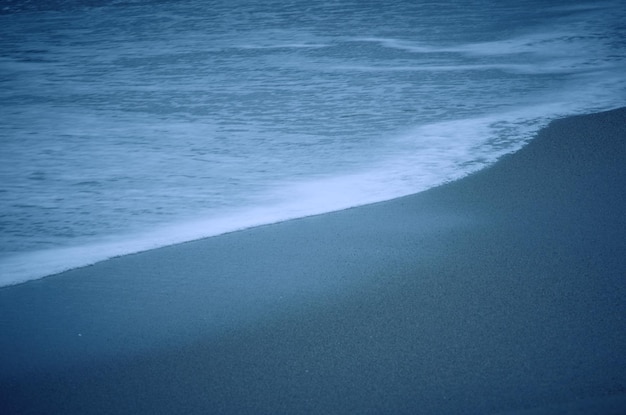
(126, 125)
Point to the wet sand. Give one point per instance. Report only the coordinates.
(501, 292)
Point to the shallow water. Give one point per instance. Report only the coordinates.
(128, 125)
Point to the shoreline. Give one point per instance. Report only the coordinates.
(19, 267)
(502, 291)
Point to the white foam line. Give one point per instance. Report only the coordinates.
(35, 265)
(417, 164)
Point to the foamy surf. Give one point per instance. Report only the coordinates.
(424, 157)
(145, 125)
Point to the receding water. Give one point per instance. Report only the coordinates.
(127, 125)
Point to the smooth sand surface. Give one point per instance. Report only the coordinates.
(503, 292)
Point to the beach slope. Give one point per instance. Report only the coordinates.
(503, 292)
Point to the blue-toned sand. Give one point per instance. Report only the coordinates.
(503, 292)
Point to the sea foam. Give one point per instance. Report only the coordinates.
(127, 127)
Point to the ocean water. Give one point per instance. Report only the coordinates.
(129, 125)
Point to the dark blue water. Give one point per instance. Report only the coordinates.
(127, 125)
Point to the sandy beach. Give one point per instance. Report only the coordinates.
(503, 292)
